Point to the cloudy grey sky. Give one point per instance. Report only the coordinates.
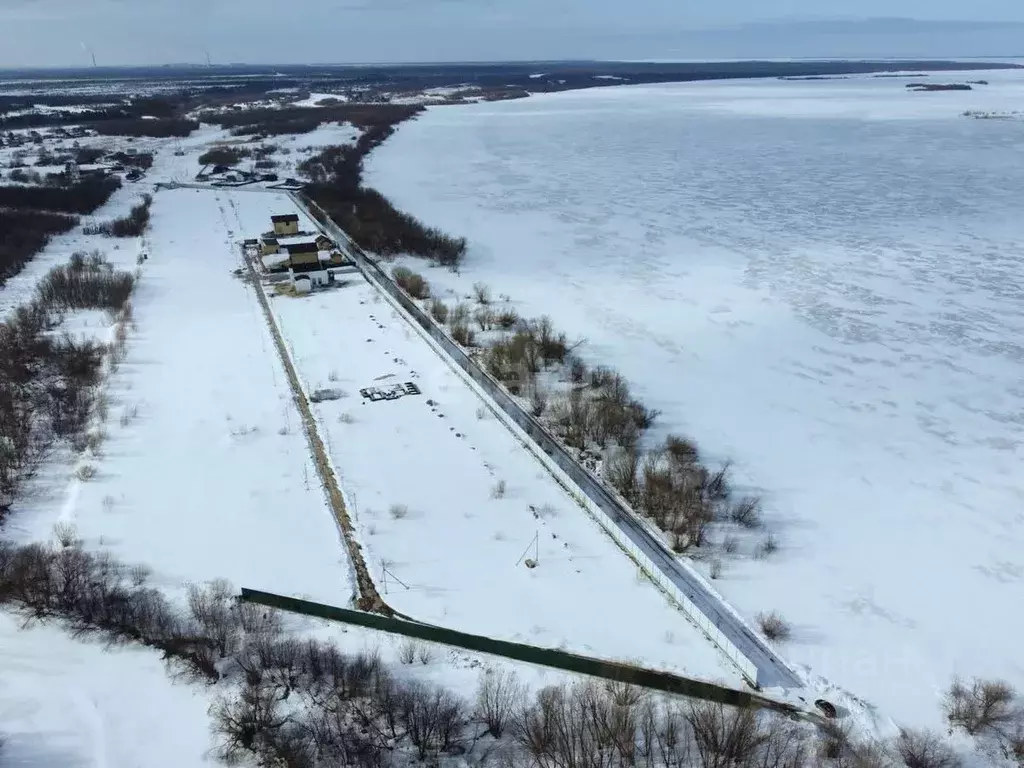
(60, 32)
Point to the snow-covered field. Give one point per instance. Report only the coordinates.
(820, 280)
(68, 702)
(421, 476)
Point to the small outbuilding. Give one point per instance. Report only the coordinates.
(285, 224)
(269, 245)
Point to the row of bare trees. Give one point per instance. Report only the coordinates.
(49, 382)
(303, 702)
(597, 416)
(365, 214)
(132, 225)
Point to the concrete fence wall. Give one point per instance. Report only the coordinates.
(614, 516)
(548, 657)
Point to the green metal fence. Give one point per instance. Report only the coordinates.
(548, 657)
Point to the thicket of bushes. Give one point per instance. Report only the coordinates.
(48, 382)
(86, 282)
(84, 196)
(365, 214)
(224, 156)
(307, 703)
(132, 225)
(24, 233)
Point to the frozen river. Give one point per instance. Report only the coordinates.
(821, 280)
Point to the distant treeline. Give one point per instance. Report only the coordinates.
(160, 128)
(160, 108)
(274, 122)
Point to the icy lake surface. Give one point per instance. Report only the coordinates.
(821, 281)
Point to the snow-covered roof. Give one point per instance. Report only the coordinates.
(272, 260)
(297, 240)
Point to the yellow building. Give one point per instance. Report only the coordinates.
(268, 245)
(286, 224)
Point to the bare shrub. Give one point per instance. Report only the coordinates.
(460, 314)
(538, 400)
(836, 743)
(774, 626)
(498, 694)
(484, 318)
(715, 570)
(425, 654)
(66, 534)
(439, 311)
(411, 282)
(577, 370)
(506, 318)
(768, 546)
(463, 334)
(398, 511)
(621, 470)
(482, 293)
(85, 472)
(481, 413)
(345, 418)
(498, 491)
(730, 545)
(746, 512)
(210, 607)
(681, 453)
(981, 706)
(407, 651)
(923, 749)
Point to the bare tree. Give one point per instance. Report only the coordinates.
(244, 724)
(538, 399)
(498, 694)
(984, 705)
(621, 470)
(482, 292)
(724, 737)
(923, 749)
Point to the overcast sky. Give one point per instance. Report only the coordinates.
(61, 32)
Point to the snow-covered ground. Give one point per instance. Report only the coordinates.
(820, 280)
(455, 546)
(67, 702)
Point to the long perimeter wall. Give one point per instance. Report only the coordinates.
(751, 655)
